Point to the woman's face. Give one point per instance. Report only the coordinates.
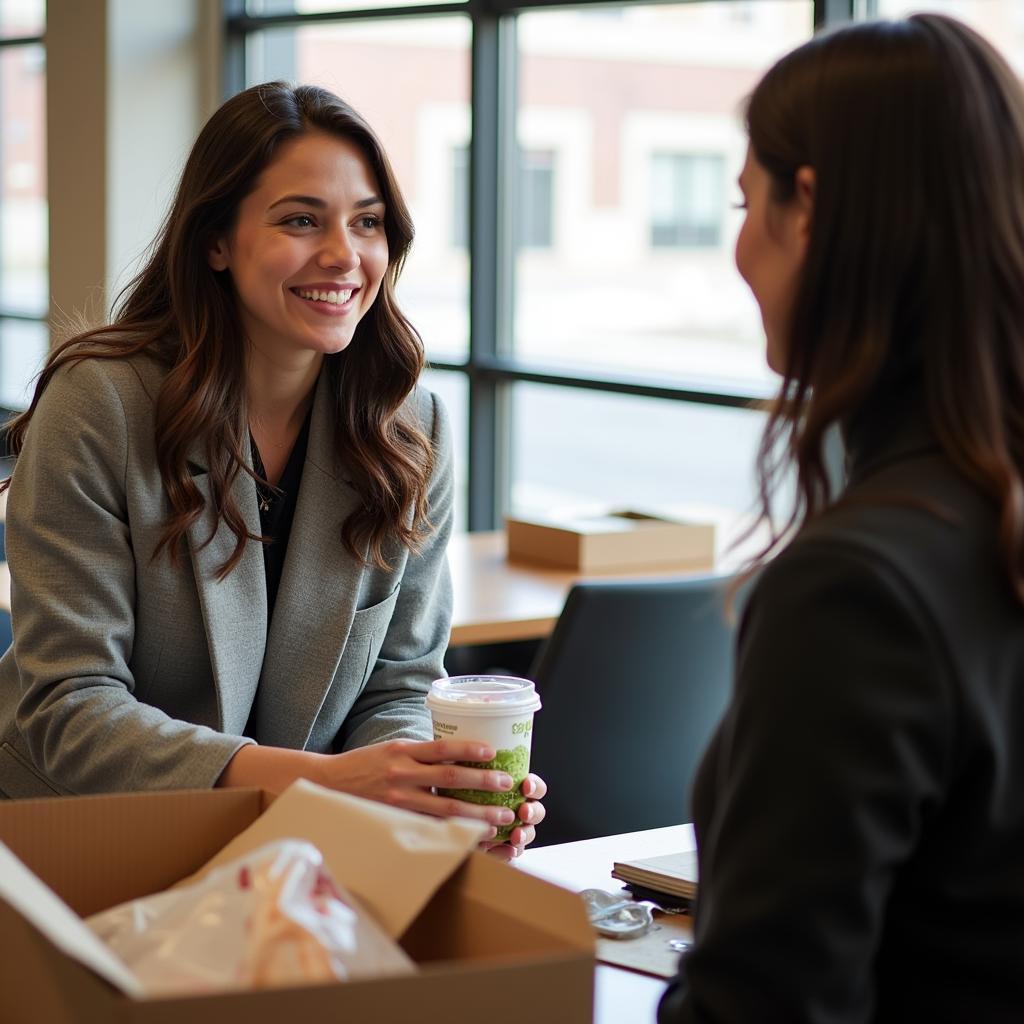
(770, 250)
(308, 250)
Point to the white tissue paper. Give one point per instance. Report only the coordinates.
(273, 917)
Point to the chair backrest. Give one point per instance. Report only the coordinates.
(633, 681)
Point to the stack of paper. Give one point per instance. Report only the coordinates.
(675, 874)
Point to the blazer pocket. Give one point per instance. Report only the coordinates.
(365, 638)
(19, 779)
(376, 618)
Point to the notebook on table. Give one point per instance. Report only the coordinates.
(673, 875)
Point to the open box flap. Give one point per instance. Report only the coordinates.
(366, 846)
(558, 911)
(47, 912)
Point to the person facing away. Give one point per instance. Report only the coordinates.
(860, 810)
(228, 516)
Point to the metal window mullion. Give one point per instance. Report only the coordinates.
(491, 288)
(234, 49)
(19, 315)
(695, 392)
(22, 41)
(245, 23)
(832, 12)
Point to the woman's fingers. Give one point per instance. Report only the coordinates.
(531, 812)
(417, 774)
(450, 807)
(437, 751)
(534, 787)
(504, 851)
(455, 776)
(522, 836)
(450, 776)
(433, 764)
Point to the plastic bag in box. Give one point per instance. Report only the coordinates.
(273, 917)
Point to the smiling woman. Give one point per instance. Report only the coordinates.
(308, 244)
(228, 518)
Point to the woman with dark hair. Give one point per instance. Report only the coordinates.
(860, 811)
(228, 519)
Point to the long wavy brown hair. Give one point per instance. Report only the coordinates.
(185, 315)
(914, 274)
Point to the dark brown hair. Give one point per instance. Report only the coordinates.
(184, 314)
(914, 273)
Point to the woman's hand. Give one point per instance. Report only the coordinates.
(403, 773)
(531, 813)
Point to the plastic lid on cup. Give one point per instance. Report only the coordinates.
(486, 695)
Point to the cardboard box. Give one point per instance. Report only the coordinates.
(617, 541)
(492, 943)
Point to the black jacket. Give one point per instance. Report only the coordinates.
(860, 811)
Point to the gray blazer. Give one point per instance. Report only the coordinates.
(128, 673)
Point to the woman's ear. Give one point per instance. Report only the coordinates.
(217, 255)
(804, 179)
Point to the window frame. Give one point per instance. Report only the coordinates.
(9, 42)
(489, 370)
(19, 315)
(6, 43)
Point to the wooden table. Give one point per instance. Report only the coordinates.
(496, 601)
(620, 995)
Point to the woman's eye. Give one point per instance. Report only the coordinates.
(370, 222)
(300, 220)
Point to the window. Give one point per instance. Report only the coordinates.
(536, 194)
(687, 200)
(24, 282)
(583, 321)
(460, 197)
(643, 116)
(576, 449)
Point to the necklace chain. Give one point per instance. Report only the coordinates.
(265, 492)
(266, 498)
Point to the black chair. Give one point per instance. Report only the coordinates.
(633, 681)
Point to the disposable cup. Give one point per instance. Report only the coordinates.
(498, 711)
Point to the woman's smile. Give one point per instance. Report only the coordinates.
(327, 299)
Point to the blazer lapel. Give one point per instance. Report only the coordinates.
(317, 596)
(234, 608)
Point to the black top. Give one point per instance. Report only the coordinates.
(860, 810)
(277, 510)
